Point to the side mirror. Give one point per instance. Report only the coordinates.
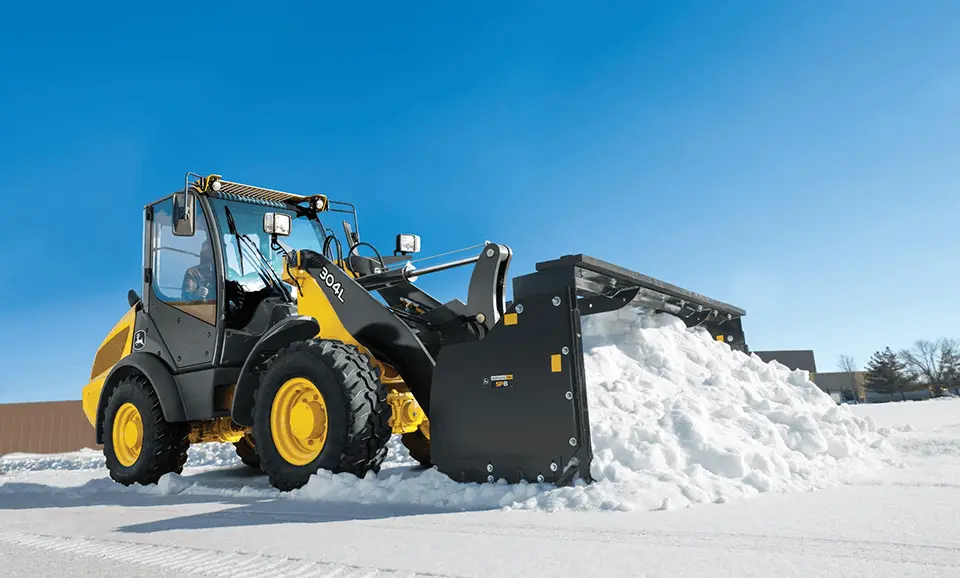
(184, 218)
(408, 244)
(277, 224)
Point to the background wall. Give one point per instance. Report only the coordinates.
(44, 428)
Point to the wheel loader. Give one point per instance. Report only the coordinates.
(259, 326)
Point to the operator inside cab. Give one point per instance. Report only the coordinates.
(200, 280)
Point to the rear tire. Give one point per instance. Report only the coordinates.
(247, 452)
(346, 398)
(142, 446)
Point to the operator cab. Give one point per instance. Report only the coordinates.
(214, 266)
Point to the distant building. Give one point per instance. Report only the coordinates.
(844, 386)
(802, 359)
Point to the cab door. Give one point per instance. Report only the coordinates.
(182, 287)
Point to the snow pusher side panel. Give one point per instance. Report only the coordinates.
(513, 405)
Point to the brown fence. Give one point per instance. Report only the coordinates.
(44, 428)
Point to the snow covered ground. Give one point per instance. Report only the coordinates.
(709, 463)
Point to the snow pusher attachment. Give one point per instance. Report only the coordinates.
(514, 404)
(258, 327)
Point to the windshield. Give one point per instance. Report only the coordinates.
(246, 267)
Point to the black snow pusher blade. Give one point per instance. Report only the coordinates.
(513, 405)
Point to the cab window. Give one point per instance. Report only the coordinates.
(184, 270)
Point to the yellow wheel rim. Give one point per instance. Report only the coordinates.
(298, 421)
(127, 434)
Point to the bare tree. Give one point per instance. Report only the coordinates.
(935, 364)
(849, 366)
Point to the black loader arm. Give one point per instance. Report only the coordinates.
(291, 329)
(486, 295)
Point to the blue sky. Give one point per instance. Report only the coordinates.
(795, 159)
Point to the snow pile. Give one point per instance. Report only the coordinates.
(677, 418)
(200, 456)
(213, 455)
(81, 460)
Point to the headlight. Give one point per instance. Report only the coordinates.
(408, 244)
(276, 224)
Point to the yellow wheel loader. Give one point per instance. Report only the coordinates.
(258, 327)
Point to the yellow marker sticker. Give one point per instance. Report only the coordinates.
(555, 363)
(510, 319)
(719, 337)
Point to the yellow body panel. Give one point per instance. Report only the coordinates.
(115, 346)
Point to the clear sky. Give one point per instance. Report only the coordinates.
(800, 160)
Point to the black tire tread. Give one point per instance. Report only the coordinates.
(368, 413)
(165, 450)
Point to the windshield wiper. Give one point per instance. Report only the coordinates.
(272, 278)
(232, 225)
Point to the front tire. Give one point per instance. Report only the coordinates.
(320, 405)
(139, 444)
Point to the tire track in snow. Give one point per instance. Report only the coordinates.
(892, 551)
(591, 533)
(199, 562)
(830, 545)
